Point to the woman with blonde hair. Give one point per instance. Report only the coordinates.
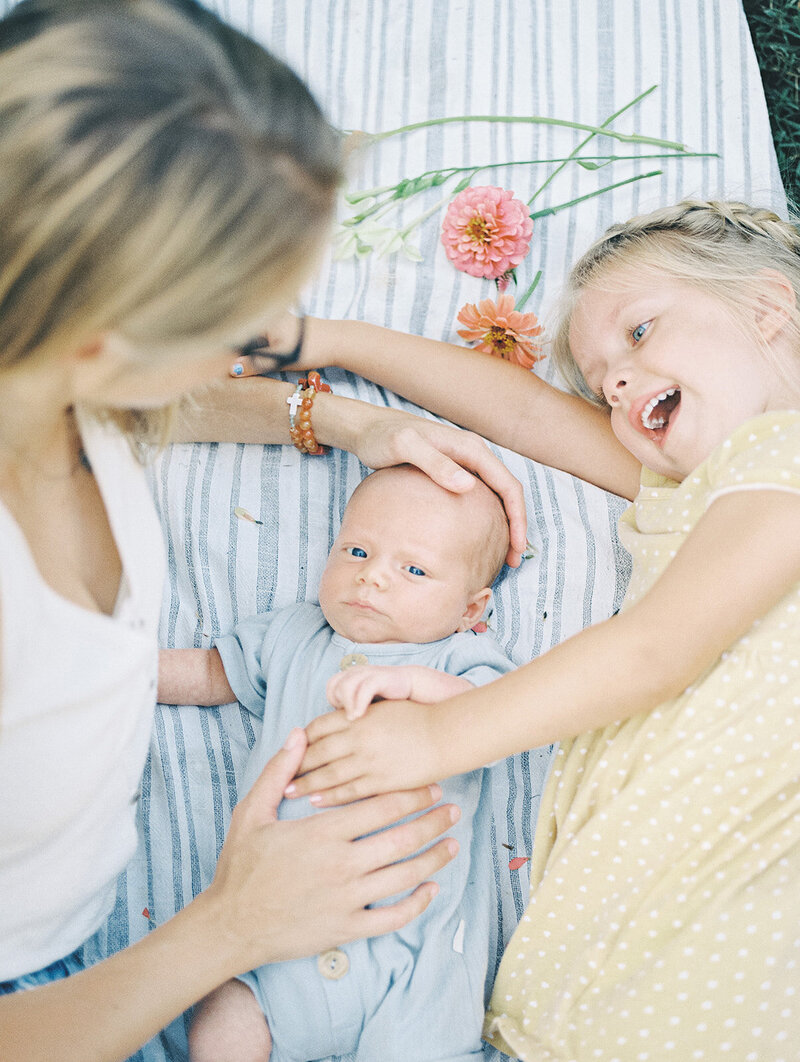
(165, 186)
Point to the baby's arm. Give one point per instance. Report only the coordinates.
(192, 676)
(356, 688)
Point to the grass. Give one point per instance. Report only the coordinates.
(775, 29)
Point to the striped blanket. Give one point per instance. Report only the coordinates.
(376, 65)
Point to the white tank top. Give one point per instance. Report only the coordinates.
(76, 707)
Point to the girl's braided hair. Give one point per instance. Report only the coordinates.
(722, 248)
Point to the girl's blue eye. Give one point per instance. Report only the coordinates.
(415, 571)
(638, 332)
(357, 551)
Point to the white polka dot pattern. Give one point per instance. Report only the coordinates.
(665, 912)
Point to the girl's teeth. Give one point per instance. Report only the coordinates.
(651, 405)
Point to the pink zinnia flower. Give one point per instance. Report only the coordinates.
(501, 330)
(486, 231)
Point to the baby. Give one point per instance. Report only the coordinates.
(408, 576)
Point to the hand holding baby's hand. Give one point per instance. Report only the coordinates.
(354, 690)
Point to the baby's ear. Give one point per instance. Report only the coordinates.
(476, 606)
(775, 302)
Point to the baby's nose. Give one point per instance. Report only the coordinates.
(373, 572)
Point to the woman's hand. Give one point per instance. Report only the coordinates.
(392, 746)
(380, 437)
(292, 888)
(452, 457)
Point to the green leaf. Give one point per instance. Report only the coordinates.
(587, 165)
(465, 182)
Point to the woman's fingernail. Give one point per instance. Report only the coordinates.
(315, 798)
(455, 813)
(237, 369)
(289, 789)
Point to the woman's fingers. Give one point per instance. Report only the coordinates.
(452, 458)
(267, 791)
(384, 849)
(375, 921)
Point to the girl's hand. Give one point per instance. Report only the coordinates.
(283, 345)
(354, 690)
(391, 747)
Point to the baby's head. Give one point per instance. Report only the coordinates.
(413, 562)
(726, 250)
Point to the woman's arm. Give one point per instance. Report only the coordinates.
(741, 559)
(254, 410)
(493, 398)
(281, 890)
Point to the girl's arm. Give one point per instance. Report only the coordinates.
(254, 410)
(192, 676)
(500, 401)
(741, 559)
(281, 890)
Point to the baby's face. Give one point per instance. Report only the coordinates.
(399, 570)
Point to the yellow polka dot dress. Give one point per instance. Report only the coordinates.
(664, 920)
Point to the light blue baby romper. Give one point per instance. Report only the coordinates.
(416, 995)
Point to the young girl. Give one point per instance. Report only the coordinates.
(165, 185)
(664, 907)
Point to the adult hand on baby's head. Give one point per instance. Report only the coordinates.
(452, 457)
(292, 888)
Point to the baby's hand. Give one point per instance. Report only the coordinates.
(356, 688)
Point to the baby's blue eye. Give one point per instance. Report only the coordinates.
(639, 331)
(357, 551)
(416, 571)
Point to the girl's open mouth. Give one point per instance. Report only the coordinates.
(655, 417)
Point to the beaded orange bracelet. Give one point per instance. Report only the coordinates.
(300, 430)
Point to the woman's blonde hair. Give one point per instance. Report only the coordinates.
(162, 176)
(722, 248)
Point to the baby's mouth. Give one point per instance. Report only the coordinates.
(658, 411)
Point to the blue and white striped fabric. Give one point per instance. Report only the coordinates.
(377, 65)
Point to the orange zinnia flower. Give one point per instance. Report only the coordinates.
(499, 329)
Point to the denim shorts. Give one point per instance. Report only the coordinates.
(70, 964)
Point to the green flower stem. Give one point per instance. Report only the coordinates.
(426, 214)
(595, 130)
(563, 206)
(375, 211)
(521, 302)
(356, 197)
(591, 136)
(385, 205)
